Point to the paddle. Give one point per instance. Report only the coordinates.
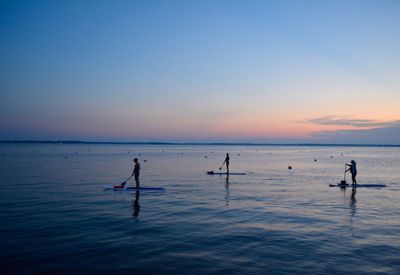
(122, 185)
(344, 178)
(222, 165)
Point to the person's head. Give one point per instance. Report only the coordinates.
(227, 154)
(135, 160)
(353, 162)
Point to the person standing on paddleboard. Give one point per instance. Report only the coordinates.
(136, 172)
(353, 171)
(226, 161)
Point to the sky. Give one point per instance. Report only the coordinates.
(201, 71)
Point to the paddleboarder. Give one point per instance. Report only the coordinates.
(136, 173)
(353, 171)
(226, 162)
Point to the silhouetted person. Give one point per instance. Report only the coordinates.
(226, 162)
(353, 172)
(136, 172)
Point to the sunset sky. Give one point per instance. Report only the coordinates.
(242, 71)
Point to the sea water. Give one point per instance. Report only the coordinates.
(56, 218)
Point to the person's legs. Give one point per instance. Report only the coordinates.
(137, 181)
(353, 178)
(227, 168)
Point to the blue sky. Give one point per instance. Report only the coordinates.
(199, 70)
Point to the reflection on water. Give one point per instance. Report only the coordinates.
(353, 201)
(227, 190)
(353, 209)
(136, 205)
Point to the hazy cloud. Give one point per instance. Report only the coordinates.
(359, 123)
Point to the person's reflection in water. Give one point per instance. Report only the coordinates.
(136, 205)
(353, 201)
(227, 190)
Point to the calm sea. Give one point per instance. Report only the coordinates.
(56, 218)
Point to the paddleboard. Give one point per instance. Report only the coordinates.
(358, 185)
(133, 188)
(223, 173)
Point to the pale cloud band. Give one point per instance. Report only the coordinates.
(357, 123)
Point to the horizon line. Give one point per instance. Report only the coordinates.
(195, 143)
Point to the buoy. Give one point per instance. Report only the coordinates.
(289, 167)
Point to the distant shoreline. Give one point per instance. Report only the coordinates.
(191, 143)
